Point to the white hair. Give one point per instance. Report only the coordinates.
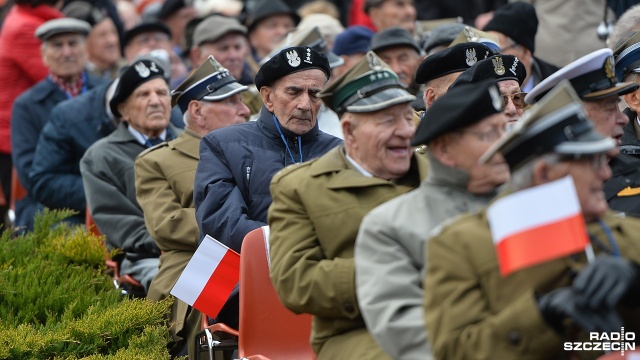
(627, 25)
(522, 177)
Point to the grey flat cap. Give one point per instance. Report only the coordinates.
(214, 27)
(61, 26)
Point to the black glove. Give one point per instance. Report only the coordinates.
(604, 282)
(561, 303)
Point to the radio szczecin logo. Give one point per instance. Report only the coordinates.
(614, 341)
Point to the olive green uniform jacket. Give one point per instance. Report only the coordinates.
(164, 189)
(314, 218)
(472, 312)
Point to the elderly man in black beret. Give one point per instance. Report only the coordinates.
(389, 250)
(510, 73)
(142, 100)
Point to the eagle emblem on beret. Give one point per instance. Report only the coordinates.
(142, 69)
(472, 58)
(608, 68)
(292, 58)
(498, 66)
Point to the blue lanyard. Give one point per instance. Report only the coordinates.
(286, 145)
(609, 234)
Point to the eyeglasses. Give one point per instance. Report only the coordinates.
(597, 161)
(518, 100)
(486, 136)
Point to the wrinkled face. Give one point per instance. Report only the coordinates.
(269, 32)
(148, 108)
(65, 54)
(380, 141)
(464, 148)
(607, 117)
(294, 99)
(394, 13)
(513, 107)
(145, 42)
(230, 51)
(403, 61)
(218, 114)
(103, 44)
(589, 174)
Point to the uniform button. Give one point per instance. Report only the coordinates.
(514, 337)
(348, 307)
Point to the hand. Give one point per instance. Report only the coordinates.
(561, 303)
(604, 282)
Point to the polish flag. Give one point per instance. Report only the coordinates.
(209, 277)
(536, 225)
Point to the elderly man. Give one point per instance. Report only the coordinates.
(510, 73)
(387, 13)
(438, 71)
(472, 311)
(317, 207)
(210, 99)
(389, 250)
(268, 23)
(396, 47)
(64, 52)
(142, 100)
(515, 25)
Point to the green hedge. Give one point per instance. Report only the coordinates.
(58, 302)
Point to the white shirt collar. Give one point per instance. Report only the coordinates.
(358, 167)
(143, 139)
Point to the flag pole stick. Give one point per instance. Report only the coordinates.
(590, 255)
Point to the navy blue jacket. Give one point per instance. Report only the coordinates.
(29, 114)
(231, 190)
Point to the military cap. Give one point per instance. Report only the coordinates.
(393, 37)
(138, 73)
(592, 77)
(456, 58)
(458, 108)
(312, 38)
(517, 20)
(442, 35)
(289, 61)
(145, 27)
(62, 26)
(214, 27)
(209, 82)
(86, 11)
(353, 40)
(471, 34)
(499, 67)
(370, 85)
(557, 124)
(627, 57)
(266, 8)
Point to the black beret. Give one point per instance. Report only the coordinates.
(458, 108)
(291, 60)
(498, 67)
(267, 8)
(143, 28)
(392, 37)
(135, 75)
(517, 20)
(457, 58)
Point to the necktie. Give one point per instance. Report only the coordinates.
(154, 141)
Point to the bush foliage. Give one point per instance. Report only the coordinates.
(58, 302)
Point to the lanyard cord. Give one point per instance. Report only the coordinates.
(286, 145)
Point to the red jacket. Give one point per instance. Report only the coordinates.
(20, 60)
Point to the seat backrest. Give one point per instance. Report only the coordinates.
(266, 326)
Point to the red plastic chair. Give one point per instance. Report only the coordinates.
(267, 328)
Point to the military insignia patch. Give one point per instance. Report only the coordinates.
(472, 58)
(142, 70)
(308, 57)
(498, 66)
(470, 34)
(374, 62)
(609, 68)
(293, 59)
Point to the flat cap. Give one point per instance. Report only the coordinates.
(627, 57)
(592, 77)
(498, 67)
(517, 20)
(458, 108)
(214, 27)
(456, 58)
(209, 82)
(370, 85)
(62, 26)
(557, 124)
(289, 61)
(353, 40)
(442, 35)
(312, 38)
(471, 34)
(266, 8)
(83, 10)
(169, 7)
(138, 73)
(145, 27)
(393, 37)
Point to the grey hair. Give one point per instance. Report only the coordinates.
(626, 26)
(631, 77)
(522, 178)
(186, 117)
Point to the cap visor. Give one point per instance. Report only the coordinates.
(381, 100)
(590, 143)
(334, 60)
(619, 89)
(225, 92)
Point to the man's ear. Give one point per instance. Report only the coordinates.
(633, 100)
(429, 96)
(195, 113)
(441, 149)
(266, 93)
(540, 173)
(123, 113)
